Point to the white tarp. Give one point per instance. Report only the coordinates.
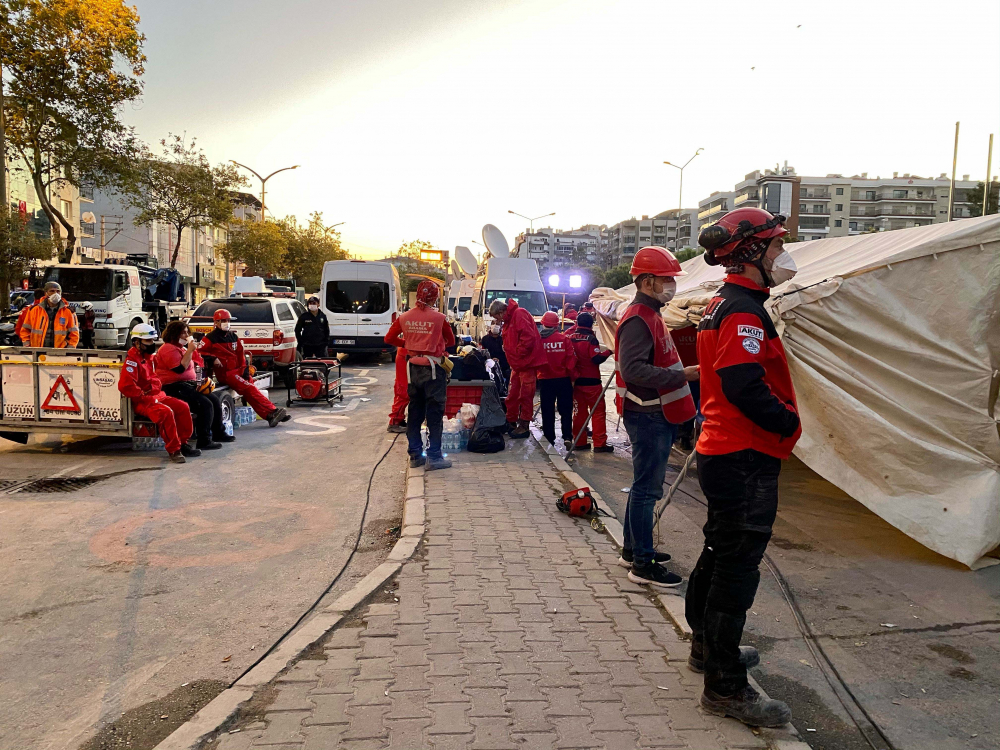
(893, 341)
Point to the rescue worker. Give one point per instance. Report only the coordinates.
(569, 317)
(523, 346)
(24, 312)
(493, 343)
(454, 332)
(87, 325)
(138, 382)
(400, 394)
(230, 367)
(653, 397)
(751, 424)
(587, 387)
(312, 331)
(427, 335)
(555, 380)
(51, 323)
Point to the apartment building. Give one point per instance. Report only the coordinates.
(672, 229)
(838, 206)
(554, 249)
(75, 204)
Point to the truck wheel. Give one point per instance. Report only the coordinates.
(229, 409)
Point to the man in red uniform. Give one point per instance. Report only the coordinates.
(138, 383)
(555, 380)
(427, 336)
(587, 390)
(523, 346)
(230, 364)
(751, 423)
(400, 396)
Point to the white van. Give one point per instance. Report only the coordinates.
(506, 278)
(361, 299)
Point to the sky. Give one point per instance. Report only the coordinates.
(426, 119)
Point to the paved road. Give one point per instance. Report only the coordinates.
(118, 593)
(931, 681)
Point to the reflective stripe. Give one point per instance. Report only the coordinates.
(668, 398)
(73, 329)
(678, 365)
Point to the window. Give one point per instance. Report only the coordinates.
(67, 210)
(243, 310)
(838, 223)
(869, 195)
(283, 312)
(120, 283)
(840, 206)
(464, 304)
(81, 283)
(298, 308)
(898, 193)
(819, 208)
(853, 226)
(533, 302)
(358, 297)
(840, 191)
(817, 237)
(803, 208)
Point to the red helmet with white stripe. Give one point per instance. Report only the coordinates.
(222, 315)
(740, 235)
(655, 260)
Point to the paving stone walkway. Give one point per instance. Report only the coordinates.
(515, 628)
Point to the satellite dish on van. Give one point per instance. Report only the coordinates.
(495, 242)
(466, 260)
(456, 270)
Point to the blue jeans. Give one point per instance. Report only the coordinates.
(651, 436)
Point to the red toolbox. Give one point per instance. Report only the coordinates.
(463, 392)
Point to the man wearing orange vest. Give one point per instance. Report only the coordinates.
(653, 397)
(51, 323)
(427, 336)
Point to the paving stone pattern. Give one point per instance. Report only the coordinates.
(515, 628)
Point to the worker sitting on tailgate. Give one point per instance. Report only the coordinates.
(523, 346)
(138, 383)
(231, 368)
(587, 391)
(427, 335)
(312, 331)
(51, 323)
(555, 380)
(22, 316)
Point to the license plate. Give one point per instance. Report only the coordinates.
(344, 342)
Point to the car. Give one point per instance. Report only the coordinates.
(265, 325)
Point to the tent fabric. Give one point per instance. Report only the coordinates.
(893, 342)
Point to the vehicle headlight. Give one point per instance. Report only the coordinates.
(104, 325)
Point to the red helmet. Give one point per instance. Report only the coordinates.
(656, 260)
(550, 319)
(222, 315)
(427, 293)
(746, 228)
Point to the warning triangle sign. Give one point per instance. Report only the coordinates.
(61, 397)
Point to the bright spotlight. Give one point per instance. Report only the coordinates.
(576, 281)
(554, 280)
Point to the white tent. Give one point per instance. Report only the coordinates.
(893, 342)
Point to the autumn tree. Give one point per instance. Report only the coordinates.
(19, 247)
(409, 253)
(260, 245)
(69, 68)
(308, 248)
(183, 189)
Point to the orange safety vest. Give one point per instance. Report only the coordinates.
(677, 405)
(66, 331)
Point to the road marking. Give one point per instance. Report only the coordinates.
(349, 406)
(359, 380)
(317, 420)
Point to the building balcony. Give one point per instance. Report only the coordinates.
(821, 195)
(87, 193)
(815, 211)
(739, 200)
(888, 196)
(711, 211)
(87, 229)
(925, 211)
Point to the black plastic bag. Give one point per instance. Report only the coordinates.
(491, 413)
(486, 441)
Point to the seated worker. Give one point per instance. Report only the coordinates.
(51, 323)
(139, 383)
(587, 391)
(179, 367)
(312, 331)
(39, 294)
(231, 369)
(555, 380)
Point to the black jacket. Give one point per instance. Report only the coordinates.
(312, 330)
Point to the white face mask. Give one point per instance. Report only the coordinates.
(669, 289)
(782, 269)
(184, 341)
(495, 330)
(314, 308)
(54, 298)
(224, 325)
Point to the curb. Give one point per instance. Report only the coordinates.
(214, 715)
(781, 739)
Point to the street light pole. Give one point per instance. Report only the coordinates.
(263, 182)
(680, 195)
(531, 222)
(954, 167)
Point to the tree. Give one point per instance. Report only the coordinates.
(618, 276)
(975, 197)
(308, 248)
(71, 67)
(19, 247)
(411, 250)
(409, 253)
(182, 189)
(261, 245)
(687, 253)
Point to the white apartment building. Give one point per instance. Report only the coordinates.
(672, 229)
(838, 206)
(557, 249)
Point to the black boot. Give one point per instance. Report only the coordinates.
(749, 658)
(748, 706)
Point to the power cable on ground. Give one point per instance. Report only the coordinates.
(354, 549)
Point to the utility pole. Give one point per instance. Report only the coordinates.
(987, 185)
(3, 143)
(954, 168)
(117, 225)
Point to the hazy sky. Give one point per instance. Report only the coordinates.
(429, 118)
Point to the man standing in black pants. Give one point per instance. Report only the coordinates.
(312, 331)
(751, 423)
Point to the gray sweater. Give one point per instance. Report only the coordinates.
(635, 360)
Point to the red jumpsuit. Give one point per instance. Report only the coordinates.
(587, 388)
(230, 363)
(400, 397)
(171, 415)
(523, 346)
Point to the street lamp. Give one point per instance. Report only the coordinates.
(531, 222)
(263, 181)
(680, 192)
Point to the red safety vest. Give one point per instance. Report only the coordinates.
(678, 406)
(423, 331)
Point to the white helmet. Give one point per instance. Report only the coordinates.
(86, 305)
(144, 332)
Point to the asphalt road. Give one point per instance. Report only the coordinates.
(931, 681)
(121, 591)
